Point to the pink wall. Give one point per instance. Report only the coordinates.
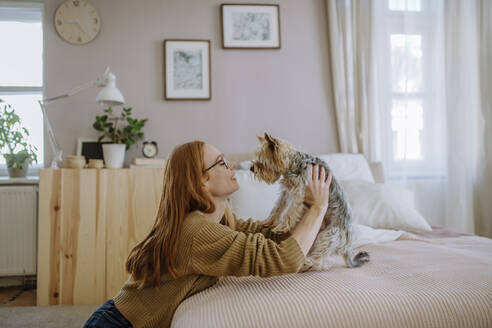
(286, 92)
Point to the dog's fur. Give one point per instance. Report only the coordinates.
(276, 159)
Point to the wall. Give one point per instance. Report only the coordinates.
(286, 92)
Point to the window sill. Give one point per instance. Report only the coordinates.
(33, 171)
(29, 180)
(416, 177)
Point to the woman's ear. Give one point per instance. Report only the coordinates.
(205, 180)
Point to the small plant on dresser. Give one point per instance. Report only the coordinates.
(122, 130)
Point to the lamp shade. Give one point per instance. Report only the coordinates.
(109, 94)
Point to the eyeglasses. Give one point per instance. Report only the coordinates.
(221, 161)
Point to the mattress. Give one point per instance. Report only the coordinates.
(432, 279)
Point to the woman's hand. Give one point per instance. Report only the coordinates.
(318, 188)
(317, 196)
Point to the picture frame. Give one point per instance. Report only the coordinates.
(90, 148)
(250, 26)
(187, 70)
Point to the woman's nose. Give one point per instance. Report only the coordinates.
(233, 165)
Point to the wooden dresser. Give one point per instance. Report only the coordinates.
(88, 221)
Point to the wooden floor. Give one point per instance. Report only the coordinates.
(17, 296)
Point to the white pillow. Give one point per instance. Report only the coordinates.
(348, 166)
(254, 199)
(382, 206)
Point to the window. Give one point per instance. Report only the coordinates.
(409, 5)
(413, 125)
(406, 103)
(21, 67)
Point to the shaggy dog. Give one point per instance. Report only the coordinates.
(276, 159)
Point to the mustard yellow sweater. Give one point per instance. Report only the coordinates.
(207, 250)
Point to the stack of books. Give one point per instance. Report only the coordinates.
(142, 162)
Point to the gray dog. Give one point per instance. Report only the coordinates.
(275, 159)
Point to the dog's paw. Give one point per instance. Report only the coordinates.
(308, 264)
(316, 266)
(362, 257)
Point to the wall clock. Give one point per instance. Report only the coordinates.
(77, 21)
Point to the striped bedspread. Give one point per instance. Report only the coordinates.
(410, 282)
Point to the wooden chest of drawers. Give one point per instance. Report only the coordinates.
(88, 221)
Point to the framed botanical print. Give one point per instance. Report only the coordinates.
(254, 26)
(187, 70)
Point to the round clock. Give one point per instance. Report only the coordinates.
(77, 21)
(150, 149)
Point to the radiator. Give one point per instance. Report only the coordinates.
(18, 217)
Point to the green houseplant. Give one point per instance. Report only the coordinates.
(17, 152)
(122, 130)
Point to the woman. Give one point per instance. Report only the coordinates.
(195, 239)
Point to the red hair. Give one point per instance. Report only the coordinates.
(183, 192)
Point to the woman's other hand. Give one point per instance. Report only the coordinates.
(318, 188)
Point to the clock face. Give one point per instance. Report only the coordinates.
(77, 21)
(149, 149)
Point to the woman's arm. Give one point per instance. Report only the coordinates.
(317, 197)
(218, 250)
(247, 226)
(252, 226)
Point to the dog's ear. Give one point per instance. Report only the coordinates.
(270, 139)
(261, 139)
(272, 143)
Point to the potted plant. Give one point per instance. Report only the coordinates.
(122, 130)
(17, 152)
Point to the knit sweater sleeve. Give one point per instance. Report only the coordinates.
(248, 226)
(253, 226)
(218, 250)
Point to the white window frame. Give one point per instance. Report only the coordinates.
(414, 169)
(19, 90)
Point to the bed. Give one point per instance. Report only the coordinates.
(418, 277)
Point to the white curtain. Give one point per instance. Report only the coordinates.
(463, 111)
(349, 41)
(408, 94)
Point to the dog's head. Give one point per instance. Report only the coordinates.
(271, 158)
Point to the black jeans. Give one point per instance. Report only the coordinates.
(107, 316)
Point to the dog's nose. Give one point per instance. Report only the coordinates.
(252, 168)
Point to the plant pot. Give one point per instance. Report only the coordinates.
(19, 172)
(114, 155)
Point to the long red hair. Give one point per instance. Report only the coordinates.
(182, 193)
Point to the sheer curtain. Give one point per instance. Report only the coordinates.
(349, 44)
(415, 79)
(464, 116)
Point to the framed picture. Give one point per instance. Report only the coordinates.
(90, 148)
(187, 70)
(250, 26)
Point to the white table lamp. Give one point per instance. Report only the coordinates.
(109, 95)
